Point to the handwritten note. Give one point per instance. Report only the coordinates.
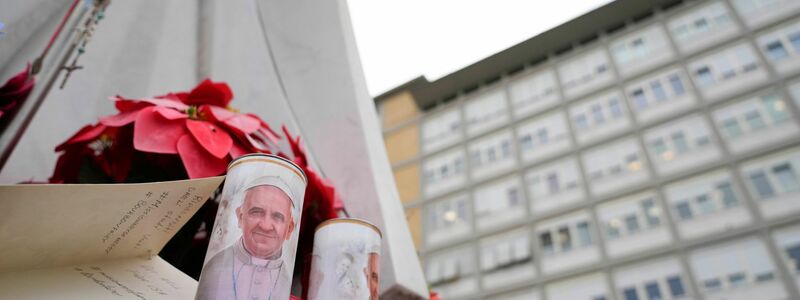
(87, 231)
(137, 278)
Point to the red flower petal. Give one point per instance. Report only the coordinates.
(68, 166)
(120, 119)
(297, 149)
(87, 133)
(198, 162)
(123, 104)
(180, 96)
(215, 140)
(264, 125)
(208, 92)
(165, 103)
(238, 150)
(170, 114)
(154, 133)
(243, 123)
(217, 113)
(121, 154)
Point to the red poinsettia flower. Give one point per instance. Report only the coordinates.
(197, 125)
(14, 92)
(190, 134)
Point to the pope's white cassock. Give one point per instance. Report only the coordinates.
(234, 274)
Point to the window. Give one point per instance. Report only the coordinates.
(681, 32)
(658, 91)
(653, 292)
(766, 276)
(630, 294)
(547, 242)
(461, 210)
(659, 147)
(543, 137)
(732, 128)
(651, 212)
(677, 84)
(616, 109)
(597, 113)
(492, 154)
(775, 51)
(475, 156)
(754, 120)
(552, 183)
(776, 108)
(505, 148)
(704, 76)
(580, 121)
(430, 175)
(564, 238)
(786, 177)
(795, 39)
(458, 165)
(705, 204)
(676, 286)
(728, 197)
(680, 142)
(601, 68)
(513, 196)
(736, 279)
(638, 99)
(445, 171)
(762, 185)
(701, 24)
(794, 255)
(526, 142)
(632, 223)
(612, 229)
(712, 284)
(584, 236)
(684, 211)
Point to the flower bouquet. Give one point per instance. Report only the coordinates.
(187, 135)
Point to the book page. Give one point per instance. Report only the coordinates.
(137, 278)
(53, 225)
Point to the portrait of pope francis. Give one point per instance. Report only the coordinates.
(254, 266)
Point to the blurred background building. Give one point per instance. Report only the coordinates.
(645, 150)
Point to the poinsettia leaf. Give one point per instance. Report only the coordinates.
(215, 140)
(216, 113)
(297, 150)
(179, 96)
(238, 150)
(124, 105)
(164, 102)
(243, 123)
(198, 162)
(208, 92)
(120, 154)
(154, 133)
(170, 113)
(120, 119)
(265, 126)
(68, 165)
(85, 134)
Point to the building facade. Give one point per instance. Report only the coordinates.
(645, 150)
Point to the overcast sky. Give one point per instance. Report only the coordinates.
(400, 40)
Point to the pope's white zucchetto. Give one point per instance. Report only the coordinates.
(266, 170)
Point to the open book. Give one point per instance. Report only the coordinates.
(95, 241)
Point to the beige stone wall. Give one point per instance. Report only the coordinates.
(398, 108)
(402, 144)
(407, 181)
